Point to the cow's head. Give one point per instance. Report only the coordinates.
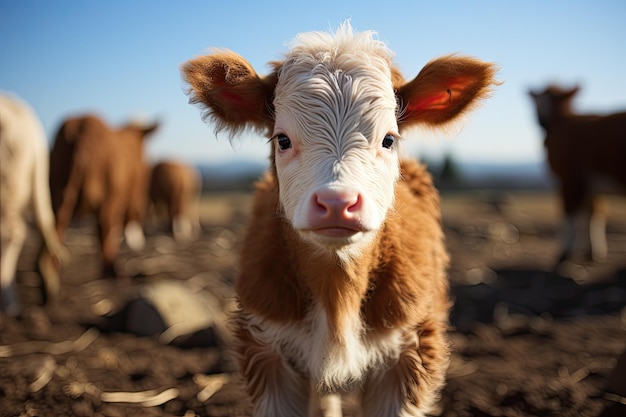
(553, 102)
(335, 109)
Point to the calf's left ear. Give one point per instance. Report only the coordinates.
(445, 88)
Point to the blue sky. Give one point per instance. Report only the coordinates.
(121, 59)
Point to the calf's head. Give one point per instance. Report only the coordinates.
(552, 103)
(335, 108)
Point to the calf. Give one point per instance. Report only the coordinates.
(587, 154)
(95, 169)
(342, 279)
(23, 189)
(175, 189)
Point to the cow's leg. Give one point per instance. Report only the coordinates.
(325, 405)
(136, 210)
(13, 236)
(577, 209)
(583, 231)
(184, 217)
(64, 210)
(48, 265)
(134, 236)
(64, 202)
(276, 388)
(182, 228)
(55, 252)
(597, 230)
(133, 230)
(568, 237)
(410, 387)
(110, 225)
(49, 268)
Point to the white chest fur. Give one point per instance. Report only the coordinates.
(331, 361)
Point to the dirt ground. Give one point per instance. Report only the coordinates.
(527, 341)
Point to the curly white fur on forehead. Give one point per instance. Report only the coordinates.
(331, 75)
(327, 47)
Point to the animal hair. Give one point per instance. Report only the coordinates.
(342, 280)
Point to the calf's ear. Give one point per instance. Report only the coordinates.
(229, 91)
(445, 88)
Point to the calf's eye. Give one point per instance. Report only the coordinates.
(284, 142)
(388, 141)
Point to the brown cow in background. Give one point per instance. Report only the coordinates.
(95, 169)
(175, 191)
(587, 154)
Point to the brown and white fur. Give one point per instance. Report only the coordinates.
(587, 155)
(23, 191)
(343, 272)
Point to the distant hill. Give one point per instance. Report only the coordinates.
(230, 175)
(241, 175)
(531, 175)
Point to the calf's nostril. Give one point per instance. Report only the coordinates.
(354, 204)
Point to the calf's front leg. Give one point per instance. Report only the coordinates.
(324, 405)
(410, 386)
(276, 388)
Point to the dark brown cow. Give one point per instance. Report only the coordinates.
(175, 190)
(587, 154)
(95, 169)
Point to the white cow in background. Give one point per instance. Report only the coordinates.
(24, 189)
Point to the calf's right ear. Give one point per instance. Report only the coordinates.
(230, 92)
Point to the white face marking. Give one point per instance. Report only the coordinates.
(329, 136)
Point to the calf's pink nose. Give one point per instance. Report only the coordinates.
(337, 205)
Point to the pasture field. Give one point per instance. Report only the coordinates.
(527, 340)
